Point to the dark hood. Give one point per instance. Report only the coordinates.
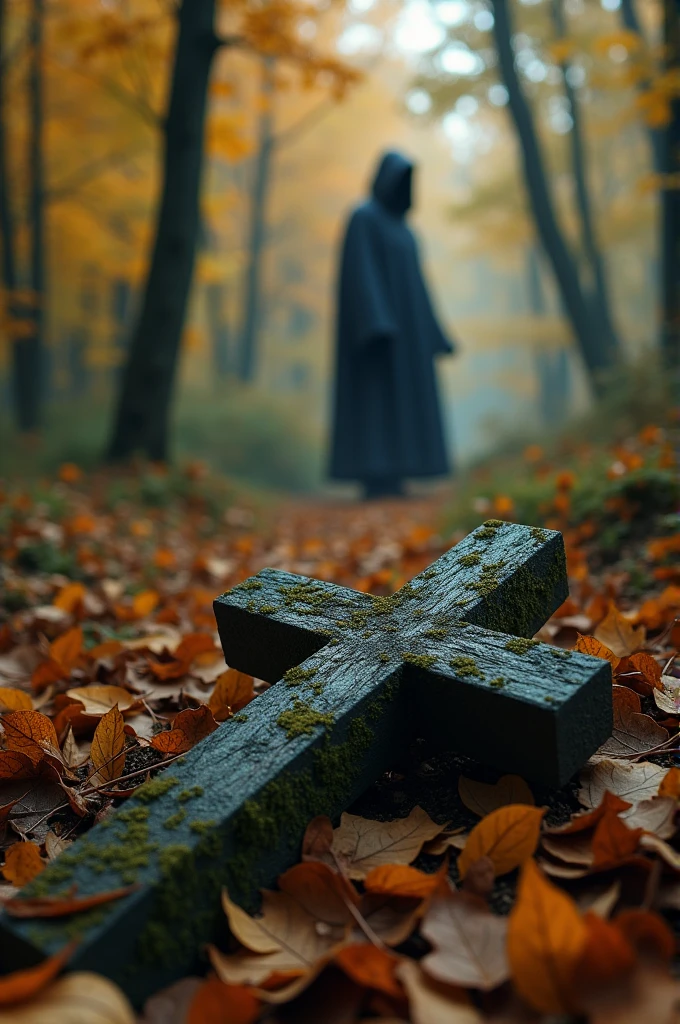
(392, 183)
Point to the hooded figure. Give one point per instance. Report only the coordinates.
(387, 424)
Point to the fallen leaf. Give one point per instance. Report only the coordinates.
(613, 841)
(482, 798)
(23, 985)
(632, 733)
(632, 782)
(70, 597)
(433, 1002)
(546, 937)
(108, 747)
(144, 603)
(670, 784)
(648, 933)
(318, 839)
(469, 942)
(596, 649)
(78, 998)
(171, 1005)
(217, 1003)
(67, 648)
(22, 863)
(15, 765)
(98, 698)
(371, 967)
(402, 880)
(249, 931)
(27, 732)
(300, 945)
(649, 995)
(189, 728)
(54, 845)
(14, 700)
(668, 697)
(320, 891)
(508, 836)
(193, 645)
(643, 664)
(606, 959)
(362, 845)
(232, 691)
(62, 906)
(619, 634)
(656, 815)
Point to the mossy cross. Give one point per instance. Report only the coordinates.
(449, 657)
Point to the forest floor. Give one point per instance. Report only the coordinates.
(522, 902)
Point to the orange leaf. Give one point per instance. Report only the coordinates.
(401, 880)
(14, 700)
(189, 728)
(28, 732)
(645, 665)
(23, 985)
(647, 933)
(69, 473)
(193, 645)
(589, 645)
(61, 906)
(218, 1003)
(14, 765)
(670, 784)
(546, 937)
(607, 956)
(370, 967)
(610, 804)
(67, 648)
(47, 673)
(233, 690)
(508, 836)
(108, 746)
(613, 841)
(22, 863)
(169, 669)
(144, 603)
(70, 597)
(619, 634)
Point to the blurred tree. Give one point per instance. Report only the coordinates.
(143, 408)
(596, 354)
(670, 205)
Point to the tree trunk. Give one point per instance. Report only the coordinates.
(7, 223)
(594, 353)
(656, 139)
(257, 231)
(600, 300)
(670, 209)
(219, 331)
(144, 402)
(28, 357)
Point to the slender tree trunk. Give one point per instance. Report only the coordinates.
(595, 355)
(219, 331)
(7, 223)
(600, 299)
(670, 208)
(143, 411)
(252, 318)
(631, 21)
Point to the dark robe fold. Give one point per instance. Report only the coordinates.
(387, 421)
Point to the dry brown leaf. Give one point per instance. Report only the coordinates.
(249, 931)
(320, 891)
(362, 845)
(70, 749)
(99, 698)
(546, 936)
(433, 1002)
(508, 836)
(596, 649)
(469, 942)
(370, 967)
(233, 690)
(667, 698)
(28, 732)
(108, 747)
(22, 863)
(12, 699)
(67, 648)
(642, 664)
(403, 880)
(78, 998)
(318, 839)
(188, 729)
(632, 733)
(571, 849)
(650, 995)
(215, 1002)
(656, 815)
(482, 798)
(632, 782)
(54, 845)
(285, 923)
(14, 765)
(619, 634)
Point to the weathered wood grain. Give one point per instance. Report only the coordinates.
(356, 677)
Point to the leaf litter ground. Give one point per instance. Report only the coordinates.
(449, 893)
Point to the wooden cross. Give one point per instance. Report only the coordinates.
(449, 657)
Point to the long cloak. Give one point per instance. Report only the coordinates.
(387, 421)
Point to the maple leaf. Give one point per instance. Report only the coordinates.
(508, 836)
(469, 942)
(546, 937)
(362, 845)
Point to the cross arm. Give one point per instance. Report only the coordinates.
(526, 707)
(275, 620)
(503, 576)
